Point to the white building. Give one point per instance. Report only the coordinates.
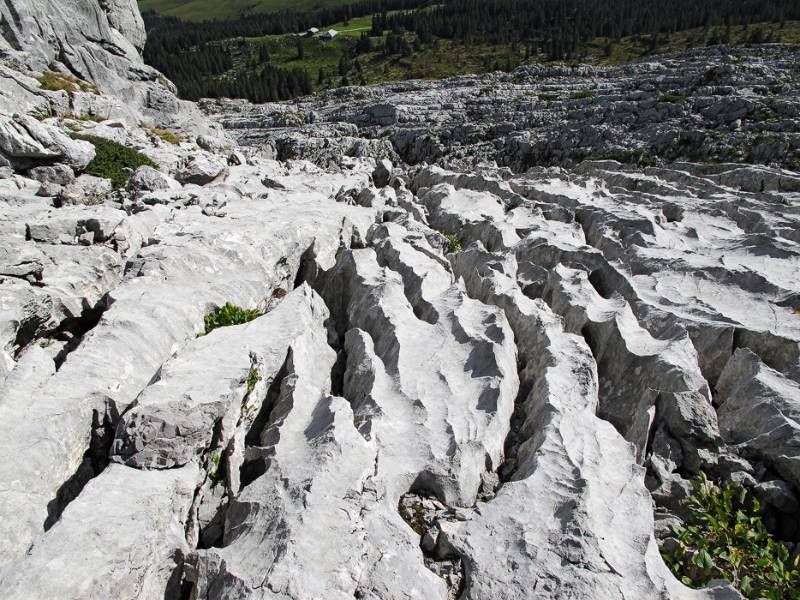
(311, 32)
(329, 35)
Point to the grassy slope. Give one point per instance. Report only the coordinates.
(200, 10)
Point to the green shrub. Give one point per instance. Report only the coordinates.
(726, 539)
(112, 159)
(581, 94)
(230, 314)
(455, 243)
(548, 97)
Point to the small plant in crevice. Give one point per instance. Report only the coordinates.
(113, 160)
(725, 538)
(217, 473)
(227, 315)
(253, 377)
(455, 242)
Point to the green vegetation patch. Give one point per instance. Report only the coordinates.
(54, 82)
(217, 473)
(582, 94)
(113, 160)
(227, 315)
(725, 538)
(253, 377)
(455, 243)
(163, 134)
(548, 97)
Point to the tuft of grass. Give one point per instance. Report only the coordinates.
(54, 82)
(164, 134)
(253, 377)
(581, 94)
(227, 315)
(217, 474)
(726, 538)
(113, 160)
(455, 243)
(548, 97)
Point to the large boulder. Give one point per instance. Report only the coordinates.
(27, 143)
(201, 170)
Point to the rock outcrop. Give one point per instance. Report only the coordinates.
(83, 57)
(457, 384)
(720, 104)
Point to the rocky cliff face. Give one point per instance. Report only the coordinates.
(96, 41)
(466, 383)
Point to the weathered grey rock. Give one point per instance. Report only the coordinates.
(135, 521)
(382, 173)
(760, 410)
(148, 179)
(176, 419)
(56, 174)
(779, 494)
(85, 190)
(25, 143)
(177, 279)
(448, 122)
(201, 170)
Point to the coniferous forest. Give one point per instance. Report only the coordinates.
(205, 59)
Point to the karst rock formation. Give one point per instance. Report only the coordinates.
(491, 356)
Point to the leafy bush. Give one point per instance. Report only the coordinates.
(55, 82)
(548, 97)
(112, 159)
(230, 314)
(581, 94)
(455, 243)
(726, 539)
